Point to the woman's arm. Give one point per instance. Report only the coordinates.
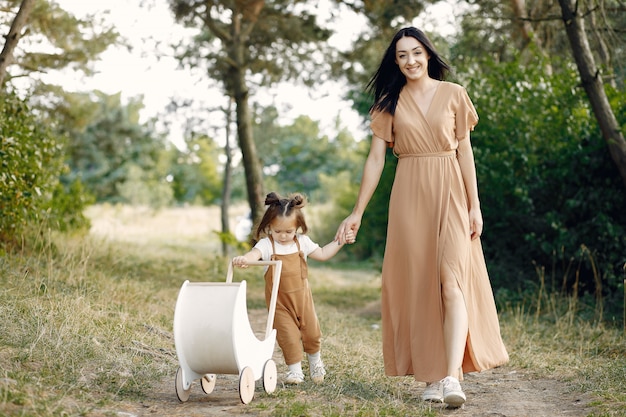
(372, 171)
(465, 156)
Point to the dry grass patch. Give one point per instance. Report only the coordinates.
(86, 326)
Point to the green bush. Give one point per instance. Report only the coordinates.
(551, 196)
(31, 165)
(372, 234)
(69, 199)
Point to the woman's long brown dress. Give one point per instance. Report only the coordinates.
(429, 226)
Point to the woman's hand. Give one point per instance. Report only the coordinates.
(348, 229)
(476, 223)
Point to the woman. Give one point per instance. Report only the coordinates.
(438, 313)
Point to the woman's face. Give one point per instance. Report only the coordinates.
(412, 58)
(283, 229)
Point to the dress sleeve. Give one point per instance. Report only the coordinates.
(381, 124)
(466, 116)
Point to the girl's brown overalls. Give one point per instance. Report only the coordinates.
(295, 321)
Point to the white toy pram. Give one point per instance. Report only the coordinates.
(213, 335)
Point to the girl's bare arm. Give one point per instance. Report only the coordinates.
(331, 249)
(253, 255)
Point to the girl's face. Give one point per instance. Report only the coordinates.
(412, 58)
(283, 229)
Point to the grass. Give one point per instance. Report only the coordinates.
(85, 321)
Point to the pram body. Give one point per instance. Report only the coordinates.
(213, 335)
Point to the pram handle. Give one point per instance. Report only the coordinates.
(278, 266)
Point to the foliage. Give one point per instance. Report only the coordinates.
(33, 185)
(341, 194)
(55, 39)
(550, 193)
(297, 155)
(69, 200)
(283, 42)
(241, 44)
(110, 152)
(194, 171)
(140, 188)
(373, 231)
(32, 162)
(496, 29)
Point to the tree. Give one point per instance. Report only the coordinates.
(591, 78)
(227, 179)
(194, 171)
(241, 40)
(551, 198)
(39, 36)
(66, 40)
(107, 144)
(298, 154)
(6, 56)
(501, 29)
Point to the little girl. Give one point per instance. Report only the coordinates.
(295, 321)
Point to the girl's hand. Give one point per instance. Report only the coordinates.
(350, 225)
(349, 237)
(240, 261)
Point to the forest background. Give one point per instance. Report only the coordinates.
(551, 175)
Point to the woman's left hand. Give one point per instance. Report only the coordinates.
(476, 223)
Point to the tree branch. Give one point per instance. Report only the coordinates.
(6, 56)
(211, 23)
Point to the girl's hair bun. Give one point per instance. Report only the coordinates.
(272, 198)
(297, 200)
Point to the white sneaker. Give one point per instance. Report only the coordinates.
(317, 372)
(452, 393)
(294, 378)
(433, 392)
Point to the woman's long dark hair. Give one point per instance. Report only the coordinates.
(387, 81)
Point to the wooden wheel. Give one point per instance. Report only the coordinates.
(246, 385)
(181, 392)
(207, 382)
(270, 376)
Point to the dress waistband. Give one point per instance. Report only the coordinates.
(427, 155)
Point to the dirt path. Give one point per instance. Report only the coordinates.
(502, 392)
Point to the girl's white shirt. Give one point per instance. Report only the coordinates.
(306, 245)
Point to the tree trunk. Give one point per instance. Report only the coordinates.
(6, 56)
(593, 85)
(226, 187)
(603, 50)
(251, 163)
(244, 17)
(527, 34)
(524, 28)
